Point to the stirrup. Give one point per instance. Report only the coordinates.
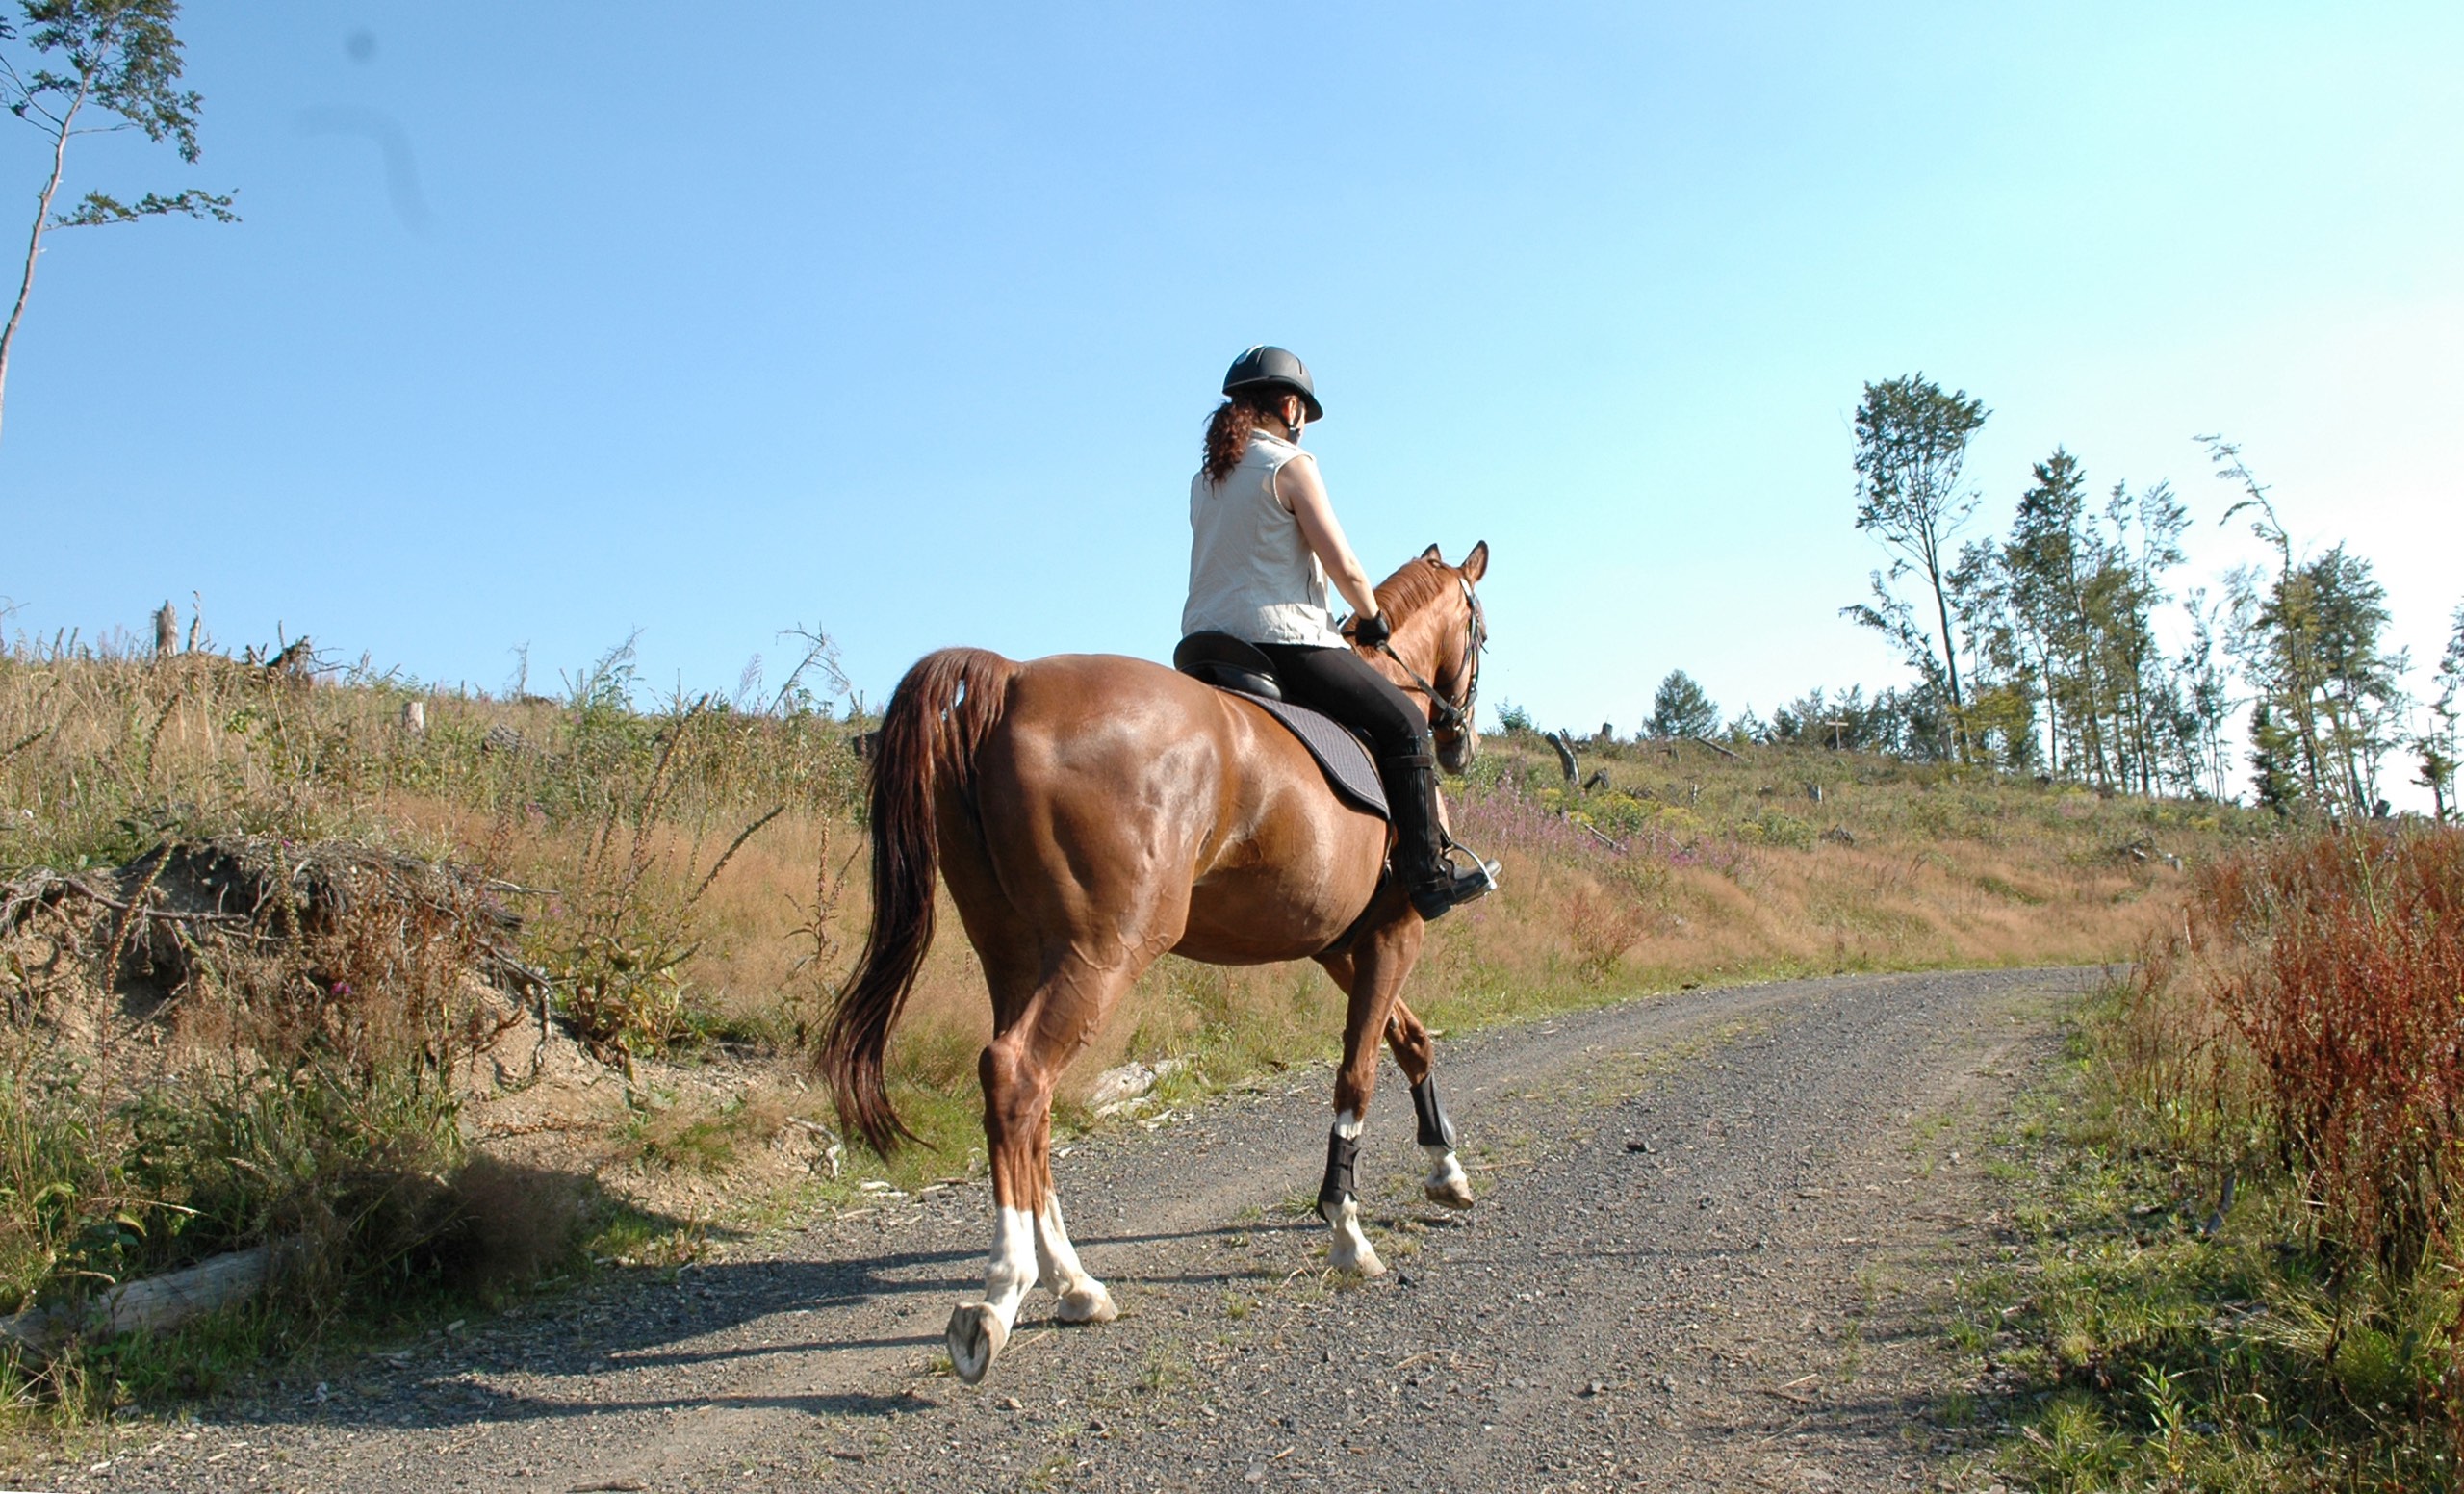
(1456, 885)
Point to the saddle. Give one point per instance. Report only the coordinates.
(1228, 664)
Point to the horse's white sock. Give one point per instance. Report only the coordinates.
(1083, 1298)
(1013, 1270)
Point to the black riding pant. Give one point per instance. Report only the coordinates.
(1345, 686)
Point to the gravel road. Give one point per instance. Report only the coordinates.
(1689, 1268)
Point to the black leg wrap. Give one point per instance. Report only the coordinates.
(1436, 1130)
(1341, 1151)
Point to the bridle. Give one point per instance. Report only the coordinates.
(1452, 717)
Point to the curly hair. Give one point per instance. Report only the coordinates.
(1229, 428)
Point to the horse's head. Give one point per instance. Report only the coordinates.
(1438, 633)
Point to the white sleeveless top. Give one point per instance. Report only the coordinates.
(1251, 574)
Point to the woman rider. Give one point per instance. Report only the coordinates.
(1264, 543)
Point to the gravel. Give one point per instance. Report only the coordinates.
(1687, 1269)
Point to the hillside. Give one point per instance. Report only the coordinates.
(377, 933)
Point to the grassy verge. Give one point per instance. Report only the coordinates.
(2206, 1287)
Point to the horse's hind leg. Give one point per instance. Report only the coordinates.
(1036, 1036)
(1416, 1055)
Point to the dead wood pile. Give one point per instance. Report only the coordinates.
(183, 901)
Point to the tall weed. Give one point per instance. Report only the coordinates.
(2284, 1074)
(2340, 964)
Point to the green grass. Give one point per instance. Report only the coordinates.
(2130, 1349)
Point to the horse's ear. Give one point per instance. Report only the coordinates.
(1476, 564)
(1431, 553)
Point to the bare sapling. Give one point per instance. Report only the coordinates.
(99, 66)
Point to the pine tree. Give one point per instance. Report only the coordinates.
(1680, 709)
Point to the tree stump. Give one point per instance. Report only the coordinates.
(1564, 742)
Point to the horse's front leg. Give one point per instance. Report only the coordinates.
(1416, 1055)
(1371, 974)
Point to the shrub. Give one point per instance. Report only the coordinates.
(2281, 1080)
(2353, 1005)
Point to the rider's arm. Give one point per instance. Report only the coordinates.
(1299, 489)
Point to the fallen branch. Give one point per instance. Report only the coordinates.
(1617, 846)
(44, 887)
(148, 1306)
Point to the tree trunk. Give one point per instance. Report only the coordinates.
(2052, 712)
(34, 238)
(1951, 663)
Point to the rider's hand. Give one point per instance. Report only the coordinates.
(1371, 631)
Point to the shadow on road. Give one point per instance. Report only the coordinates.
(638, 1325)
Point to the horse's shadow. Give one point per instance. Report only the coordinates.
(547, 1359)
(552, 1360)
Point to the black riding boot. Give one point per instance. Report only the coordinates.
(1421, 864)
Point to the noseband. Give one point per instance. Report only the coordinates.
(1447, 716)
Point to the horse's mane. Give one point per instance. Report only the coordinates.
(1421, 581)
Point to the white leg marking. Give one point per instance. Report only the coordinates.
(1351, 1250)
(1083, 1298)
(1448, 1183)
(978, 1330)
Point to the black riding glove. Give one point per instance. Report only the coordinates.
(1371, 631)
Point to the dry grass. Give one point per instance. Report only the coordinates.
(1725, 866)
(1720, 869)
(683, 877)
(1923, 869)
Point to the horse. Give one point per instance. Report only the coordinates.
(1090, 812)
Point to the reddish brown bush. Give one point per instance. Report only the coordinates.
(2351, 1000)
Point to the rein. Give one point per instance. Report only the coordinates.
(1446, 715)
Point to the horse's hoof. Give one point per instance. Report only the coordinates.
(976, 1335)
(1086, 1304)
(1364, 1263)
(1455, 1192)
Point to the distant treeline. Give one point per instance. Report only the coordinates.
(2062, 647)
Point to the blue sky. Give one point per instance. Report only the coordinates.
(902, 321)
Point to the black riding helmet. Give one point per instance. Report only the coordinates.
(1266, 367)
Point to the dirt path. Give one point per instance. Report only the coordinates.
(1696, 1215)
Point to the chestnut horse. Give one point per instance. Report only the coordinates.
(1089, 813)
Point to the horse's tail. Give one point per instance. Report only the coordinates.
(937, 719)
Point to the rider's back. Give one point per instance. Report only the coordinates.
(1251, 572)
